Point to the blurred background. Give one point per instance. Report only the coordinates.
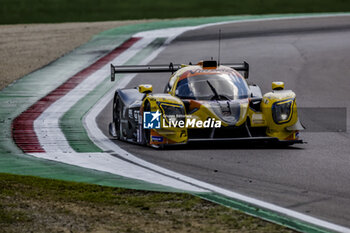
(54, 11)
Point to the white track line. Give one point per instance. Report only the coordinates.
(107, 163)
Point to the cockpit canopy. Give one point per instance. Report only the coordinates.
(213, 86)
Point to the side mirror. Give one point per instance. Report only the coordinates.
(145, 88)
(277, 86)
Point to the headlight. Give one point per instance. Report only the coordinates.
(282, 111)
(173, 112)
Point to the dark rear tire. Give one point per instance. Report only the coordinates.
(117, 108)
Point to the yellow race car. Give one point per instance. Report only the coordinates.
(203, 102)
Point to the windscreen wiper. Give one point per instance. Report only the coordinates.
(216, 95)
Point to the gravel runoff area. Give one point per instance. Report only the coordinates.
(27, 47)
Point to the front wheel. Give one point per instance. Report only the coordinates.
(146, 133)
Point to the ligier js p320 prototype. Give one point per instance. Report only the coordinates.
(203, 102)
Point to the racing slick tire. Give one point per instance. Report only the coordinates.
(117, 111)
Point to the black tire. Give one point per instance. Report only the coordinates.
(146, 133)
(117, 108)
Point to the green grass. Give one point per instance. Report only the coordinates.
(43, 205)
(53, 11)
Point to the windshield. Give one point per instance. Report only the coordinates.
(212, 87)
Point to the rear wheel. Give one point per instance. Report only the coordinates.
(117, 115)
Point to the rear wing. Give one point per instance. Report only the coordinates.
(243, 67)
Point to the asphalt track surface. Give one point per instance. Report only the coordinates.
(312, 57)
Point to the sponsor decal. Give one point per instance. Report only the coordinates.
(157, 139)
